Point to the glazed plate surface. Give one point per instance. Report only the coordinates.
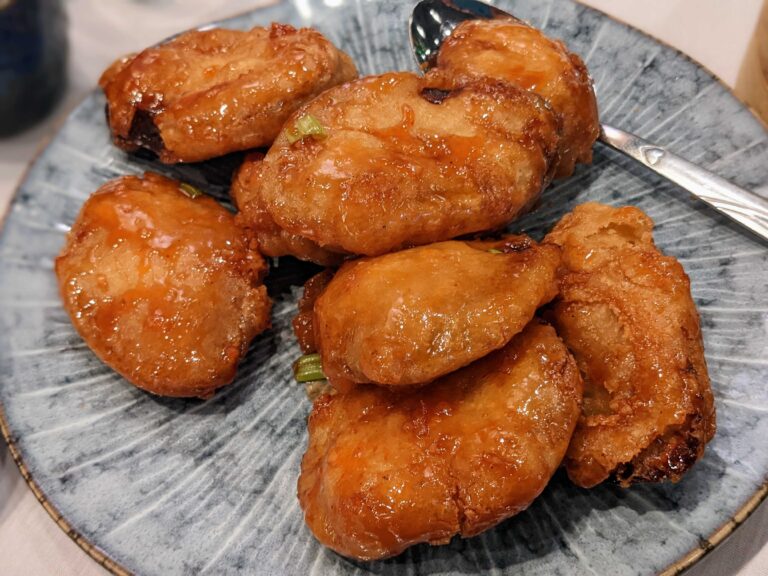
(165, 487)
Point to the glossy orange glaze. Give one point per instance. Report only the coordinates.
(385, 470)
(164, 288)
(304, 322)
(211, 92)
(412, 316)
(396, 169)
(512, 51)
(626, 312)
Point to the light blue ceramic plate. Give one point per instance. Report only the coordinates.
(166, 487)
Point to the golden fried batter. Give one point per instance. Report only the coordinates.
(395, 161)
(512, 51)
(626, 313)
(273, 240)
(385, 470)
(163, 288)
(207, 93)
(411, 316)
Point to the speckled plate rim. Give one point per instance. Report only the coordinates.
(684, 563)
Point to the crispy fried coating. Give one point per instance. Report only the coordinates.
(399, 162)
(388, 469)
(412, 316)
(626, 313)
(273, 240)
(512, 51)
(164, 288)
(207, 93)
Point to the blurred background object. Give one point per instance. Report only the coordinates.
(33, 61)
(752, 82)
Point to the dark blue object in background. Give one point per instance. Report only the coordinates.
(33, 61)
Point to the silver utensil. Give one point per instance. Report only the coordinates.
(433, 20)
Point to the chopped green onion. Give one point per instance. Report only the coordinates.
(308, 368)
(495, 251)
(190, 190)
(306, 125)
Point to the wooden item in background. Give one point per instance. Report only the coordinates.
(752, 82)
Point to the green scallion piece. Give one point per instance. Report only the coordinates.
(190, 190)
(495, 251)
(308, 368)
(306, 125)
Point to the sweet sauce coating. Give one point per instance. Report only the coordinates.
(207, 93)
(304, 322)
(626, 312)
(164, 288)
(388, 469)
(514, 52)
(409, 317)
(401, 162)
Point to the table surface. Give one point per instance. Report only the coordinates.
(714, 32)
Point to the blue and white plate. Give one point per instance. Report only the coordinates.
(160, 486)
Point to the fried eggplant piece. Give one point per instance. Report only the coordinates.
(385, 470)
(164, 288)
(514, 52)
(626, 312)
(391, 161)
(409, 317)
(207, 93)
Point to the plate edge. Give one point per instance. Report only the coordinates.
(707, 69)
(710, 543)
(705, 546)
(86, 545)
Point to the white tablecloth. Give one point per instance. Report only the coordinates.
(712, 31)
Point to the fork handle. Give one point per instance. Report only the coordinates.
(740, 205)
